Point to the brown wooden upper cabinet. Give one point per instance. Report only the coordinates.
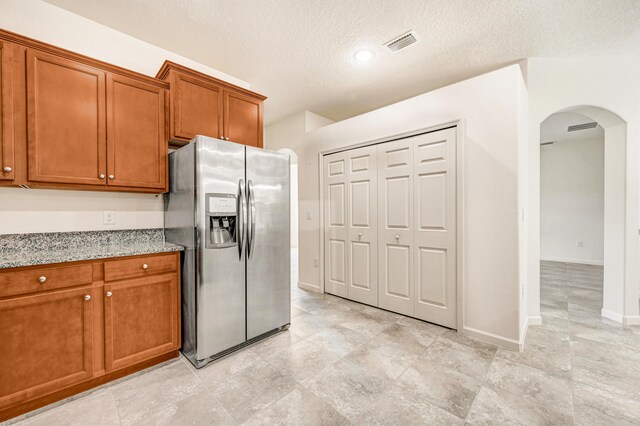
(203, 105)
(66, 121)
(7, 158)
(87, 126)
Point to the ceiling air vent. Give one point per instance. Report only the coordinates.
(584, 126)
(403, 41)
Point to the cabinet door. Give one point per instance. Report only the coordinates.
(46, 343)
(65, 121)
(7, 159)
(336, 265)
(395, 226)
(434, 242)
(242, 119)
(197, 108)
(136, 144)
(362, 215)
(141, 319)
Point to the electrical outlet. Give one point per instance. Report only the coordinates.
(579, 243)
(316, 263)
(109, 217)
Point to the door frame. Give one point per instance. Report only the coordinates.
(460, 185)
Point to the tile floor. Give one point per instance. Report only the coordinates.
(345, 363)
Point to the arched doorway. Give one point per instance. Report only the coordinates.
(612, 222)
(293, 187)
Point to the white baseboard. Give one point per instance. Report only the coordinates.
(309, 287)
(631, 320)
(535, 320)
(494, 339)
(563, 260)
(613, 316)
(523, 336)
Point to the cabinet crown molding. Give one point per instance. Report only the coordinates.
(169, 66)
(28, 42)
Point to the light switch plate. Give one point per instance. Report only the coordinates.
(109, 217)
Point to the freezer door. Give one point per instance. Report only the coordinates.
(220, 298)
(268, 244)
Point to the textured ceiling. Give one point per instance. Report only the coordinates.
(554, 128)
(299, 53)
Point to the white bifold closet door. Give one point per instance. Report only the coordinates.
(351, 225)
(434, 236)
(390, 226)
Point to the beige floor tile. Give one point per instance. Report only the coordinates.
(98, 408)
(248, 391)
(146, 394)
(597, 407)
(348, 388)
(303, 360)
(448, 389)
(498, 407)
(299, 407)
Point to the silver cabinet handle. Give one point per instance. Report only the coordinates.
(145, 266)
(7, 169)
(101, 176)
(242, 213)
(87, 297)
(109, 294)
(42, 279)
(251, 219)
(112, 177)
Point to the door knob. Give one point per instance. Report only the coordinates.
(145, 266)
(7, 169)
(42, 279)
(101, 176)
(109, 294)
(359, 235)
(87, 297)
(397, 237)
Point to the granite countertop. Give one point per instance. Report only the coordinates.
(18, 250)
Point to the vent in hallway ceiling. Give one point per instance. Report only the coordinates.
(584, 126)
(402, 41)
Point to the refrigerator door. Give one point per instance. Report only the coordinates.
(220, 297)
(267, 241)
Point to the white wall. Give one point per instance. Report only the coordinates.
(612, 83)
(491, 107)
(23, 211)
(572, 201)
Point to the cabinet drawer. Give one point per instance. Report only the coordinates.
(139, 267)
(21, 282)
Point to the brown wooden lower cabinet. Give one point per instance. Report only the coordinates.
(140, 319)
(64, 339)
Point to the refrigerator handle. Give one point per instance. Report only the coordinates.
(251, 219)
(242, 212)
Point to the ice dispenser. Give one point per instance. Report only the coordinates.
(221, 220)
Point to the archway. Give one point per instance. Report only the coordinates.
(293, 199)
(614, 214)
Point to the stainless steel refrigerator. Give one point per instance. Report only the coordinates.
(228, 205)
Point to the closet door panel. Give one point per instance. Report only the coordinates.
(395, 226)
(362, 256)
(434, 245)
(335, 226)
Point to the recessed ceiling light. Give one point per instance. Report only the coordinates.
(363, 55)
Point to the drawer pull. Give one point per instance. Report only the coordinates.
(112, 177)
(87, 297)
(42, 279)
(145, 266)
(109, 294)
